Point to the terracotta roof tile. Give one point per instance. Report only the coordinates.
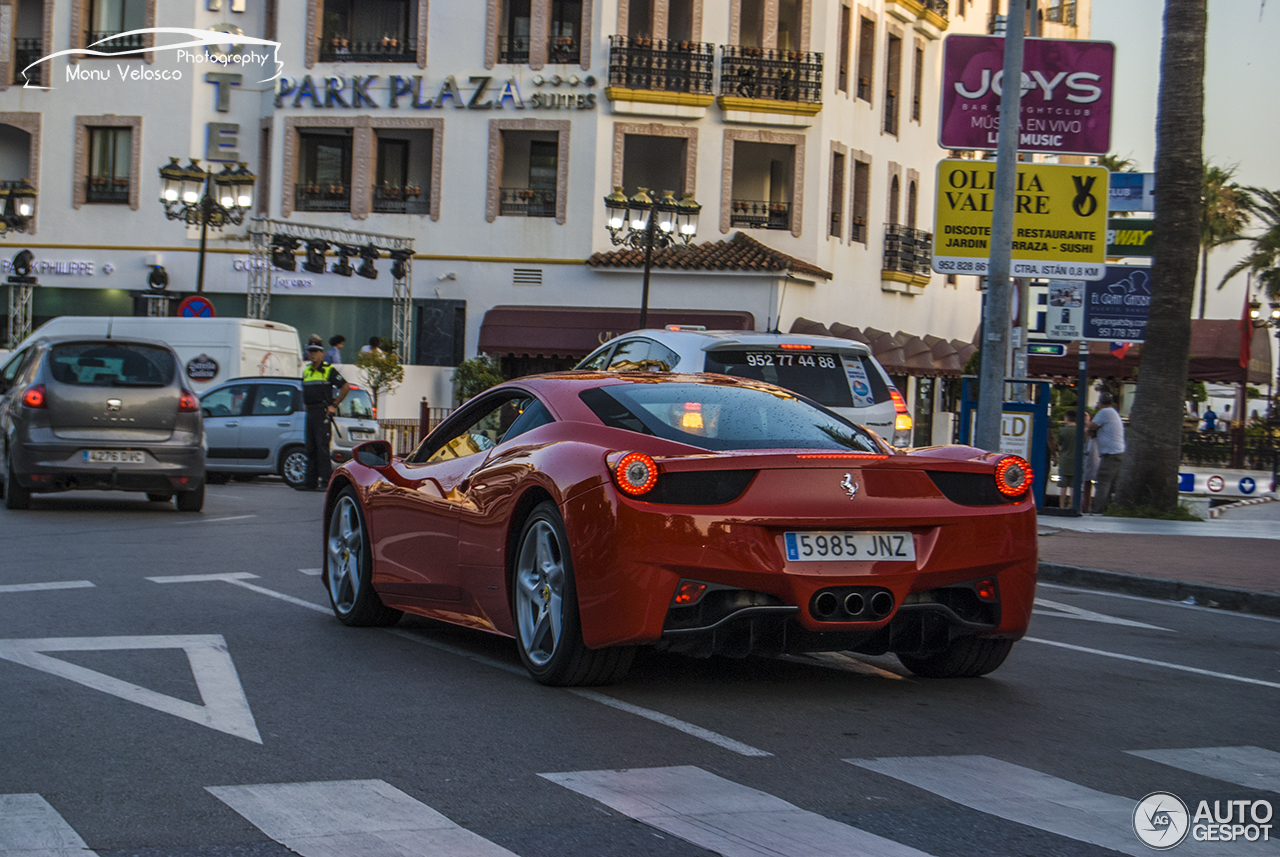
(739, 253)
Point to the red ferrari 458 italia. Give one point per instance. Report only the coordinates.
(586, 514)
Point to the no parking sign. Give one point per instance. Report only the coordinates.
(196, 306)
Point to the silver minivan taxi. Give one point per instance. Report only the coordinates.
(838, 373)
(89, 413)
(256, 426)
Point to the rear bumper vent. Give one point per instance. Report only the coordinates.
(700, 487)
(971, 489)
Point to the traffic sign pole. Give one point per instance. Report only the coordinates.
(995, 323)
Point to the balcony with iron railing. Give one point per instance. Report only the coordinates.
(658, 65)
(1061, 12)
(406, 199)
(329, 197)
(25, 52)
(564, 50)
(513, 50)
(527, 202)
(858, 232)
(757, 214)
(771, 74)
(938, 7)
(110, 190)
(907, 250)
(115, 44)
(338, 49)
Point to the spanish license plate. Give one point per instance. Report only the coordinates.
(114, 456)
(858, 547)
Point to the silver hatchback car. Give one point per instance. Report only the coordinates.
(256, 426)
(87, 413)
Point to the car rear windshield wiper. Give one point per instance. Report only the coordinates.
(121, 382)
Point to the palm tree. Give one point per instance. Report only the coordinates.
(1263, 259)
(1224, 212)
(1149, 474)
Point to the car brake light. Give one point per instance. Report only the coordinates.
(636, 473)
(688, 592)
(902, 420)
(34, 397)
(188, 404)
(375, 412)
(986, 589)
(1013, 475)
(795, 346)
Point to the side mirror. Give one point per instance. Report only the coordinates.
(373, 453)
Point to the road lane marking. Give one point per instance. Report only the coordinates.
(37, 587)
(679, 725)
(213, 520)
(1149, 661)
(1025, 796)
(1217, 611)
(225, 707)
(364, 817)
(30, 827)
(723, 816)
(1068, 611)
(238, 578)
(1251, 767)
(314, 572)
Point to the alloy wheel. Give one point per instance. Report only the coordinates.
(346, 552)
(540, 584)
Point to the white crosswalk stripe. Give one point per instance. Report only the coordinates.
(724, 816)
(1251, 767)
(1038, 800)
(352, 818)
(30, 827)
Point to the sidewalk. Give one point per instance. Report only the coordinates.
(1232, 561)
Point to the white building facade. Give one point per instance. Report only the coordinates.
(489, 132)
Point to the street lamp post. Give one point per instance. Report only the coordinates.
(644, 223)
(205, 198)
(17, 206)
(1273, 392)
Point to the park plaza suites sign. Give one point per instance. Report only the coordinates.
(396, 92)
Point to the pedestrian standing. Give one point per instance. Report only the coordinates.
(1066, 458)
(334, 355)
(320, 380)
(1210, 419)
(1108, 433)
(375, 346)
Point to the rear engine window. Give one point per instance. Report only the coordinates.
(109, 364)
(357, 404)
(818, 375)
(720, 418)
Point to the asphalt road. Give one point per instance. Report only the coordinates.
(236, 716)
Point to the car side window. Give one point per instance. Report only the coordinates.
(533, 414)
(273, 400)
(488, 428)
(631, 356)
(596, 362)
(9, 374)
(661, 358)
(226, 401)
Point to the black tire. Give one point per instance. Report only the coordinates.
(191, 501)
(212, 478)
(541, 586)
(348, 552)
(243, 477)
(293, 466)
(16, 496)
(159, 498)
(966, 657)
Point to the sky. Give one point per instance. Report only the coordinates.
(1242, 108)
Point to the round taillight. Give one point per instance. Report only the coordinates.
(34, 397)
(636, 473)
(1013, 476)
(188, 403)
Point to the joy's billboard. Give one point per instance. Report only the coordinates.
(1066, 94)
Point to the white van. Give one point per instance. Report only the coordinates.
(212, 350)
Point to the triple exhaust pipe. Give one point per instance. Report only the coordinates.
(845, 605)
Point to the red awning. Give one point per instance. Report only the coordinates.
(558, 331)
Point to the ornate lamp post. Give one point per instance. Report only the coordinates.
(197, 197)
(17, 206)
(644, 223)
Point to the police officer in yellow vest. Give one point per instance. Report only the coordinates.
(319, 380)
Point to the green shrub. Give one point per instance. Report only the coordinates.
(475, 375)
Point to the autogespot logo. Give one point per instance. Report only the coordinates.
(1161, 820)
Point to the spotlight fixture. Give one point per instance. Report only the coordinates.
(282, 247)
(315, 256)
(22, 261)
(158, 279)
(342, 267)
(399, 263)
(368, 254)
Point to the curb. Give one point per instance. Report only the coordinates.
(1203, 594)
(1252, 501)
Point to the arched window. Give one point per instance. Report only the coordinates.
(894, 193)
(911, 205)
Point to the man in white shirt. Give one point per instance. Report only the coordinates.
(1107, 429)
